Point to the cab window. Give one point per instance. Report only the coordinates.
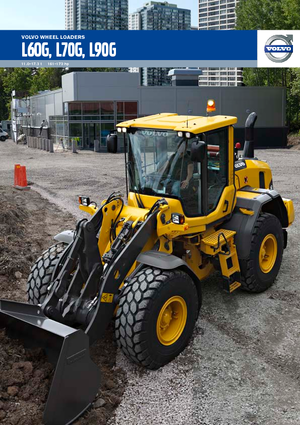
(217, 165)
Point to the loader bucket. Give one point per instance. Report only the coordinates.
(76, 378)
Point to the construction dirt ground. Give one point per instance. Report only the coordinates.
(242, 364)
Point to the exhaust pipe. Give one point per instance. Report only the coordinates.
(249, 136)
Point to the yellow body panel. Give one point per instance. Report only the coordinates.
(190, 123)
(290, 209)
(91, 209)
(195, 224)
(250, 176)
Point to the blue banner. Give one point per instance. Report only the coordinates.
(128, 48)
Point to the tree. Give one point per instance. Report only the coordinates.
(46, 79)
(272, 15)
(291, 10)
(260, 15)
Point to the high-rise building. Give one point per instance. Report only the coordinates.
(219, 15)
(158, 16)
(70, 15)
(164, 16)
(134, 21)
(96, 14)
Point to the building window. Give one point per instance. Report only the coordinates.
(90, 108)
(76, 133)
(107, 110)
(74, 108)
(106, 128)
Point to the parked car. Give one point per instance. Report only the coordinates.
(3, 135)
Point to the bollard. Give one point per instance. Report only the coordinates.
(51, 150)
(74, 146)
(47, 145)
(96, 145)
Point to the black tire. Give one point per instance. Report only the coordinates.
(253, 278)
(2, 139)
(41, 273)
(140, 305)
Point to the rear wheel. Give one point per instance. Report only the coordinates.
(41, 273)
(156, 316)
(261, 268)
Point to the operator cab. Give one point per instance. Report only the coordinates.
(161, 163)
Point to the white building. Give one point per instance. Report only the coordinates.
(70, 14)
(219, 15)
(134, 21)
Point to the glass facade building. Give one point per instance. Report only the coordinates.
(90, 104)
(96, 14)
(219, 15)
(86, 122)
(164, 16)
(158, 16)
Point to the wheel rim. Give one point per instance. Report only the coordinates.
(268, 253)
(171, 320)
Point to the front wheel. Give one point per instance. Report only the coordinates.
(261, 268)
(156, 316)
(41, 273)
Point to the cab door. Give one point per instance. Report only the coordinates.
(219, 189)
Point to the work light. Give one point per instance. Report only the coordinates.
(211, 106)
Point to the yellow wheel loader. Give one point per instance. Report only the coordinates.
(194, 206)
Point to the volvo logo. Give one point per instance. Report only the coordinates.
(279, 48)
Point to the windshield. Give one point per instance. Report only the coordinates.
(160, 164)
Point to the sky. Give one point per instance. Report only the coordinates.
(49, 15)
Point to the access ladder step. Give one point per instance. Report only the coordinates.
(217, 241)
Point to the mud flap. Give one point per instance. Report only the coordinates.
(76, 378)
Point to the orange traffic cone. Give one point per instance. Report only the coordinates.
(17, 170)
(20, 180)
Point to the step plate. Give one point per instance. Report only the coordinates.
(212, 240)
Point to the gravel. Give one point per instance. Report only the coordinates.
(242, 365)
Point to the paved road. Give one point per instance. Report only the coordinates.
(242, 366)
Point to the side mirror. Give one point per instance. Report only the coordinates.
(198, 151)
(112, 143)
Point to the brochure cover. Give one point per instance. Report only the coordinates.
(149, 184)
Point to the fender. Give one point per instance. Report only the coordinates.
(66, 236)
(268, 201)
(165, 261)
